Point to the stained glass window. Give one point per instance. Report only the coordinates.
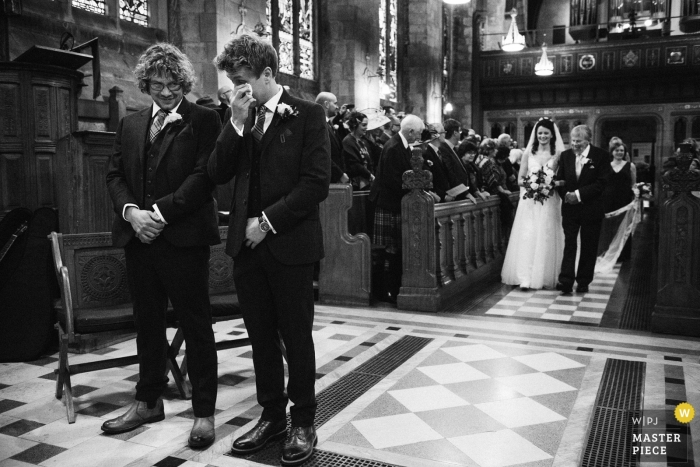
(387, 47)
(135, 11)
(306, 38)
(93, 6)
(289, 36)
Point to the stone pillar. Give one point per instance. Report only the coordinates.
(349, 51)
(198, 23)
(422, 63)
(677, 309)
(460, 94)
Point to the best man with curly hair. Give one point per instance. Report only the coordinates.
(277, 148)
(166, 220)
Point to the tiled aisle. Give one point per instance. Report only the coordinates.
(585, 308)
(483, 392)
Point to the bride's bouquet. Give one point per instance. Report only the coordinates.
(539, 185)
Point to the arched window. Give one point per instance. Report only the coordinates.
(135, 11)
(510, 129)
(291, 24)
(387, 47)
(679, 130)
(93, 6)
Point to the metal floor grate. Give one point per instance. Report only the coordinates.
(620, 397)
(336, 397)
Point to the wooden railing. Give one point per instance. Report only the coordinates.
(447, 248)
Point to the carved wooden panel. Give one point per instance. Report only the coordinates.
(64, 112)
(45, 179)
(220, 271)
(101, 278)
(12, 178)
(100, 212)
(9, 112)
(42, 113)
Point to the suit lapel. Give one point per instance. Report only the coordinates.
(276, 125)
(141, 127)
(173, 129)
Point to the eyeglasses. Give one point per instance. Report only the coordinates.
(160, 86)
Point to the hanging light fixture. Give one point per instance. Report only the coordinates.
(544, 67)
(513, 41)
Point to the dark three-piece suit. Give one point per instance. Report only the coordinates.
(285, 175)
(171, 173)
(585, 217)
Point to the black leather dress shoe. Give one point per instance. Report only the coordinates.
(299, 445)
(203, 433)
(255, 439)
(137, 415)
(582, 289)
(565, 289)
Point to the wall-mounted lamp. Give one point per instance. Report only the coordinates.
(448, 108)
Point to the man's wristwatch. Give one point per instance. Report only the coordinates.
(263, 224)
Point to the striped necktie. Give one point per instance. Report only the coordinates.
(157, 124)
(259, 128)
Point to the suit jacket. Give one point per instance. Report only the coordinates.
(179, 184)
(590, 184)
(357, 162)
(337, 160)
(295, 171)
(387, 188)
(442, 181)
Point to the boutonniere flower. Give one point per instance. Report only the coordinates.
(429, 162)
(585, 161)
(286, 111)
(172, 117)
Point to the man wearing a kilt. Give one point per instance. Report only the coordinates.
(387, 192)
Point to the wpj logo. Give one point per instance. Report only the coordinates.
(659, 435)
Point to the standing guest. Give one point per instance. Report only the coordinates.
(277, 147)
(389, 110)
(390, 129)
(373, 144)
(387, 192)
(166, 221)
(490, 162)
(448, 144)
(225, 92)
(357, 158)
(467, 154)
(340, 120)
(618, 194)
(330, 104)
(443, 179)
(505, 145)
(584, 169)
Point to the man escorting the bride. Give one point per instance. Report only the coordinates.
(584, 169)
(536, 242)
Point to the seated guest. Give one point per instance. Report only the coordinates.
(467, 154)
(358, 163)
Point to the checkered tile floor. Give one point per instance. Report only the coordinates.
(551, 305)
(473, 405)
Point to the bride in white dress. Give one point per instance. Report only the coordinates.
(536, 244)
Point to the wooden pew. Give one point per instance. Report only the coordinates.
(95, 302)
(344, 277)
(447, 248)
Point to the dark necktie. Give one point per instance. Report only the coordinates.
(157, 124)
(259, 128)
